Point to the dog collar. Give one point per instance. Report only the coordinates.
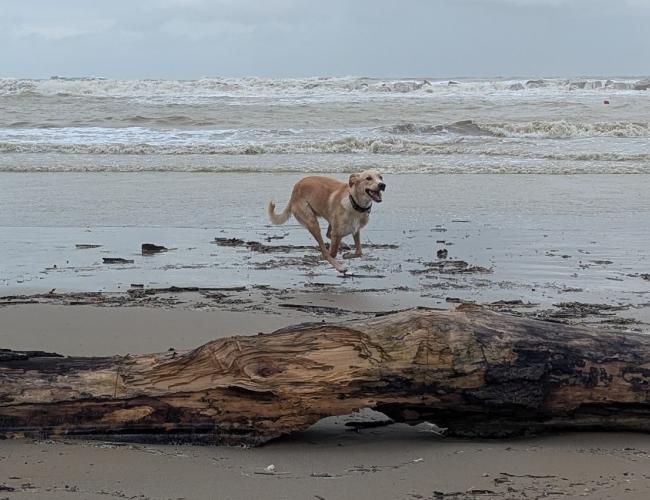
(358, 207)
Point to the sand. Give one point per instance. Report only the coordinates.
(571, 249)
(329, 462)
(103, 331)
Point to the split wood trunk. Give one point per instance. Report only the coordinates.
(474, 372)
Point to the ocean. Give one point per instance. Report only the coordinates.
(415, 125)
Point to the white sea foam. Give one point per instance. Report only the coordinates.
(221, 87)
(564, 129)
(406, 139)
(542, 129)
(348, 145)
(298, 167)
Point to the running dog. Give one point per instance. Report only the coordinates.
(346, 207)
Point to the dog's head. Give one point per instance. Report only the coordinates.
(367, 186)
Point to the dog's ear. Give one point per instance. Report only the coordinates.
(353, 179)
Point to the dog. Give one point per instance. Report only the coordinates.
(346, 207)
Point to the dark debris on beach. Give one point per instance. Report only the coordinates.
(450, 267)
(257, 246)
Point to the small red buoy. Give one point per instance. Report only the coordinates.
(605, 102)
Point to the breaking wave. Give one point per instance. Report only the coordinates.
(319, 167)
(343, 145)
(566, 129)
(346, 146)
(403, 138)
(250, 86)
(559, 129)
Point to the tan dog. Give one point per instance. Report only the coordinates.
(346, 207)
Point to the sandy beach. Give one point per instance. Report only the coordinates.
(331, 462)
(160, 339)
(566, 248)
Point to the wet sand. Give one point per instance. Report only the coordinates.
(541, 239)
(571, 249)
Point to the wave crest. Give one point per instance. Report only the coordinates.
(559, 129)
(346, 146)
(251, 86)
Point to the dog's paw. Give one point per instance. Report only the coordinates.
(351, 255)
(342, 269)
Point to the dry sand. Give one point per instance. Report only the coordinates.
(329, 462)
(103, 331)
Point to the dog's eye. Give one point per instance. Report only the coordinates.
(368, 178)
(381, 178)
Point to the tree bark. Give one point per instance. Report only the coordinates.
(472, 371)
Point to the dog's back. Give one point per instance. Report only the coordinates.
(316, 191)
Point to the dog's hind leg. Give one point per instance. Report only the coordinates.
(334, 247)
(329, 236)
(308, 219)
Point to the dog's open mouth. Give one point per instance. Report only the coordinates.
(375, 195)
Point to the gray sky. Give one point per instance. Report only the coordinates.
(294, 38)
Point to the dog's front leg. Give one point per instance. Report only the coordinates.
(357, 245)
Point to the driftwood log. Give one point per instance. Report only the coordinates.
(474, 372)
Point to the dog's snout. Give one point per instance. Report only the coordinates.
(382, 186)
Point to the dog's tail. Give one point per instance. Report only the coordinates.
(280, 218)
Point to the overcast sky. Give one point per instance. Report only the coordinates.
(295, 38)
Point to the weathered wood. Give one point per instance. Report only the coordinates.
(475, 372)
